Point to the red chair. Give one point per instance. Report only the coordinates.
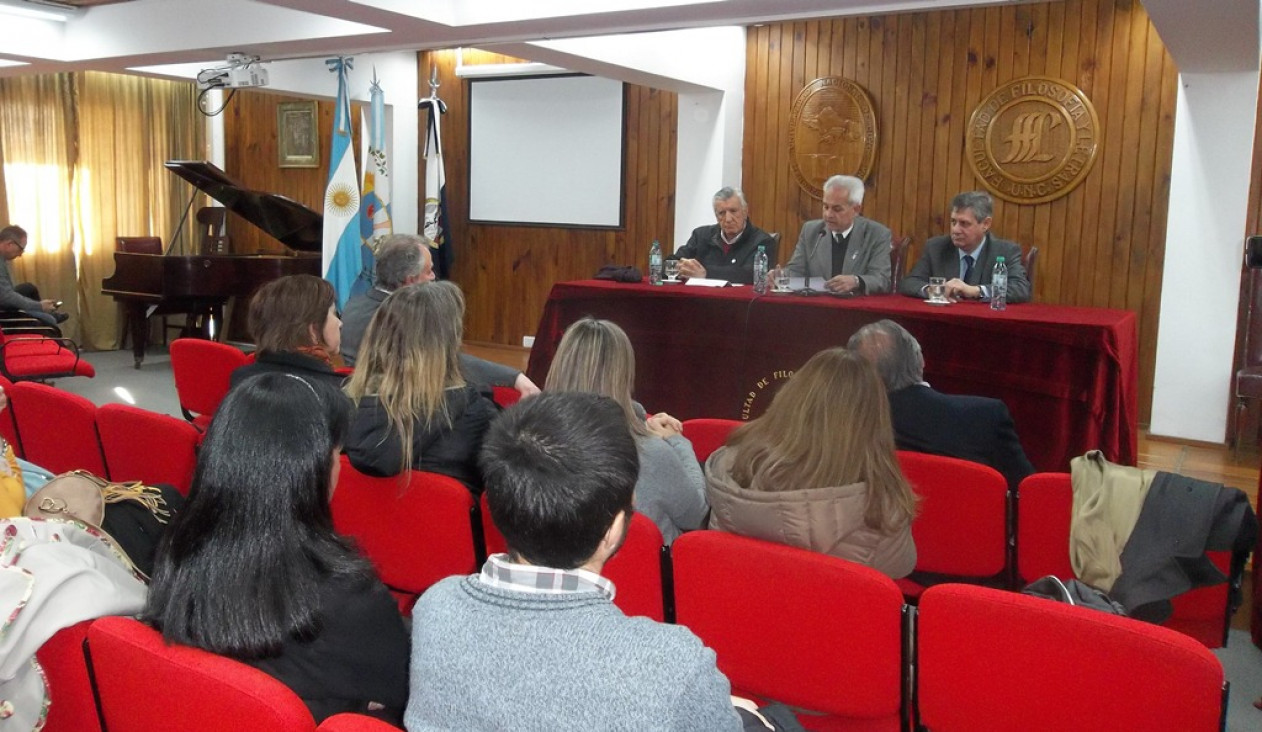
(416, 529)
(202, 371)
(505, 396)
(636, 570)
(58, 428)
(72, 707)
(145, 685)
(708, 435)
(147, 446)
(994, 660)
(8, 425)
(40, 358)
(1043, 519)
(962, 527)
(813, 631)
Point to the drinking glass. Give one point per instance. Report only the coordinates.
(780, 279)
(937, 289)
(672, 269)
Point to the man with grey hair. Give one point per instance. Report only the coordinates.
(966, 257)
(405, 259)
(974, 428)
(850, 253)
(24, 297)
(726, 250)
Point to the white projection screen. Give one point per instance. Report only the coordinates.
(546, 150)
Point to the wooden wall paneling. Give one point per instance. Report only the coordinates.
(927, 106)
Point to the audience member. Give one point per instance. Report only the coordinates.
(251, 568)
(405, 259)
(296, 329)
(973, 428)
(849, 252)
(413, 408)
(23, 297)
(725, 251)
(818, 469)
(596, 356)
(966, 257)
(534, 642)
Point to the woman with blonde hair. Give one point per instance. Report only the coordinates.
(595, 356)
(413, 408)
(818, 469)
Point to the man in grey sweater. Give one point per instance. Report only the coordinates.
(534, 642)
(23, 297)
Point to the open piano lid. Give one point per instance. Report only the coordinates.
(290, 222)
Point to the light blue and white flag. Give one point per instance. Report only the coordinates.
(374, 211)
(342, 241)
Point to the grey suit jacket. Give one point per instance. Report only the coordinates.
(867, 257)
(941, 259)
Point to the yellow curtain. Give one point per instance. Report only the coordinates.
(36, 135)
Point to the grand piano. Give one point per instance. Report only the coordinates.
(200, 284)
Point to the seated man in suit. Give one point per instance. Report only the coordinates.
(966, 258)
(534, 641)
(725, 251)
(974, 428)
(851, 253)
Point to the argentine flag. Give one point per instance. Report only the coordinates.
(343, 262)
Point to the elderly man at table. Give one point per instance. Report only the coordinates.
(966, 257)
(974, 428)
(725, 250)
(404, 259)
(849, 252)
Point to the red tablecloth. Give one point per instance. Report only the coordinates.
(1068, 374)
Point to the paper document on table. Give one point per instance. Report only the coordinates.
(703, 282)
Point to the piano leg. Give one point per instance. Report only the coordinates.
(139, 325)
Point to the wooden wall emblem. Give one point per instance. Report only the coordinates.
(1033, 140)
(832, 131)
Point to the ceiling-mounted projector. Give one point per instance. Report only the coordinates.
(241, 72)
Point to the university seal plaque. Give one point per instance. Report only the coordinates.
(832, 130)
(1033, 139)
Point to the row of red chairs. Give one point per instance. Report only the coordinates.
(29, 357)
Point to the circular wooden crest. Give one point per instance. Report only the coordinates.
(832, 131)
(1033, 140)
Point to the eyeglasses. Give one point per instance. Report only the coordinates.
(21, 245)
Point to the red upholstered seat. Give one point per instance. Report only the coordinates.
(147, 446)
(416, 529)
(1044, 514)
(202, 371)
(58, 428)
(505, 396)
(72, 707)
(962, 525)
(994, 660)
(145, 685)
(39, 358)
(708, 435)
(810, 630)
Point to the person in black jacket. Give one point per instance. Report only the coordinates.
(413, 406)
(974, 428)
(725, 250)
(296, 328)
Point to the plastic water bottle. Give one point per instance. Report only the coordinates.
(760, 270)
(999, 286)
(655, 264)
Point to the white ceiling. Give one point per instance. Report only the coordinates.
(146, 33)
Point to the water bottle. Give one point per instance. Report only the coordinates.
(655, 264)
(760, 270)
(999, 285)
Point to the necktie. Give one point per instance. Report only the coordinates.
(968, 267)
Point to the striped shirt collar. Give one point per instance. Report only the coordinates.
(500, 572)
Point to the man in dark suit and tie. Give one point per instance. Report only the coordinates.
(850, 253)
(966, 258)
(978, 429)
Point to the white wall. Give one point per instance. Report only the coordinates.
(1209, 186)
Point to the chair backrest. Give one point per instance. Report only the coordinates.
(1043, 515)
(73, 706)
(139, 244)
(147, 446)
(989, 659)
(898, 259)
(416, 528)
(803, 628)
(636, 570)
(962, 525)
(505, 396)
(203, 371)
(1031, 260)
(708, 435)
(213, 221)
(58, 428)
(8, 425)
(145, 685)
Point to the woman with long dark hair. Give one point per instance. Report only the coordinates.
(252, 569)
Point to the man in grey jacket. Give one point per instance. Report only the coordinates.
(23, 297)
(534, 642)
(850, 254)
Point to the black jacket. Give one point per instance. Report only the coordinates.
(706, 247)
(288, 362)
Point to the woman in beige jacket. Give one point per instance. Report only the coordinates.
(818, 470)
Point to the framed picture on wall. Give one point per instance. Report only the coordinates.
(297, 128)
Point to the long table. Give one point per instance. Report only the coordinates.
(1068, 374)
